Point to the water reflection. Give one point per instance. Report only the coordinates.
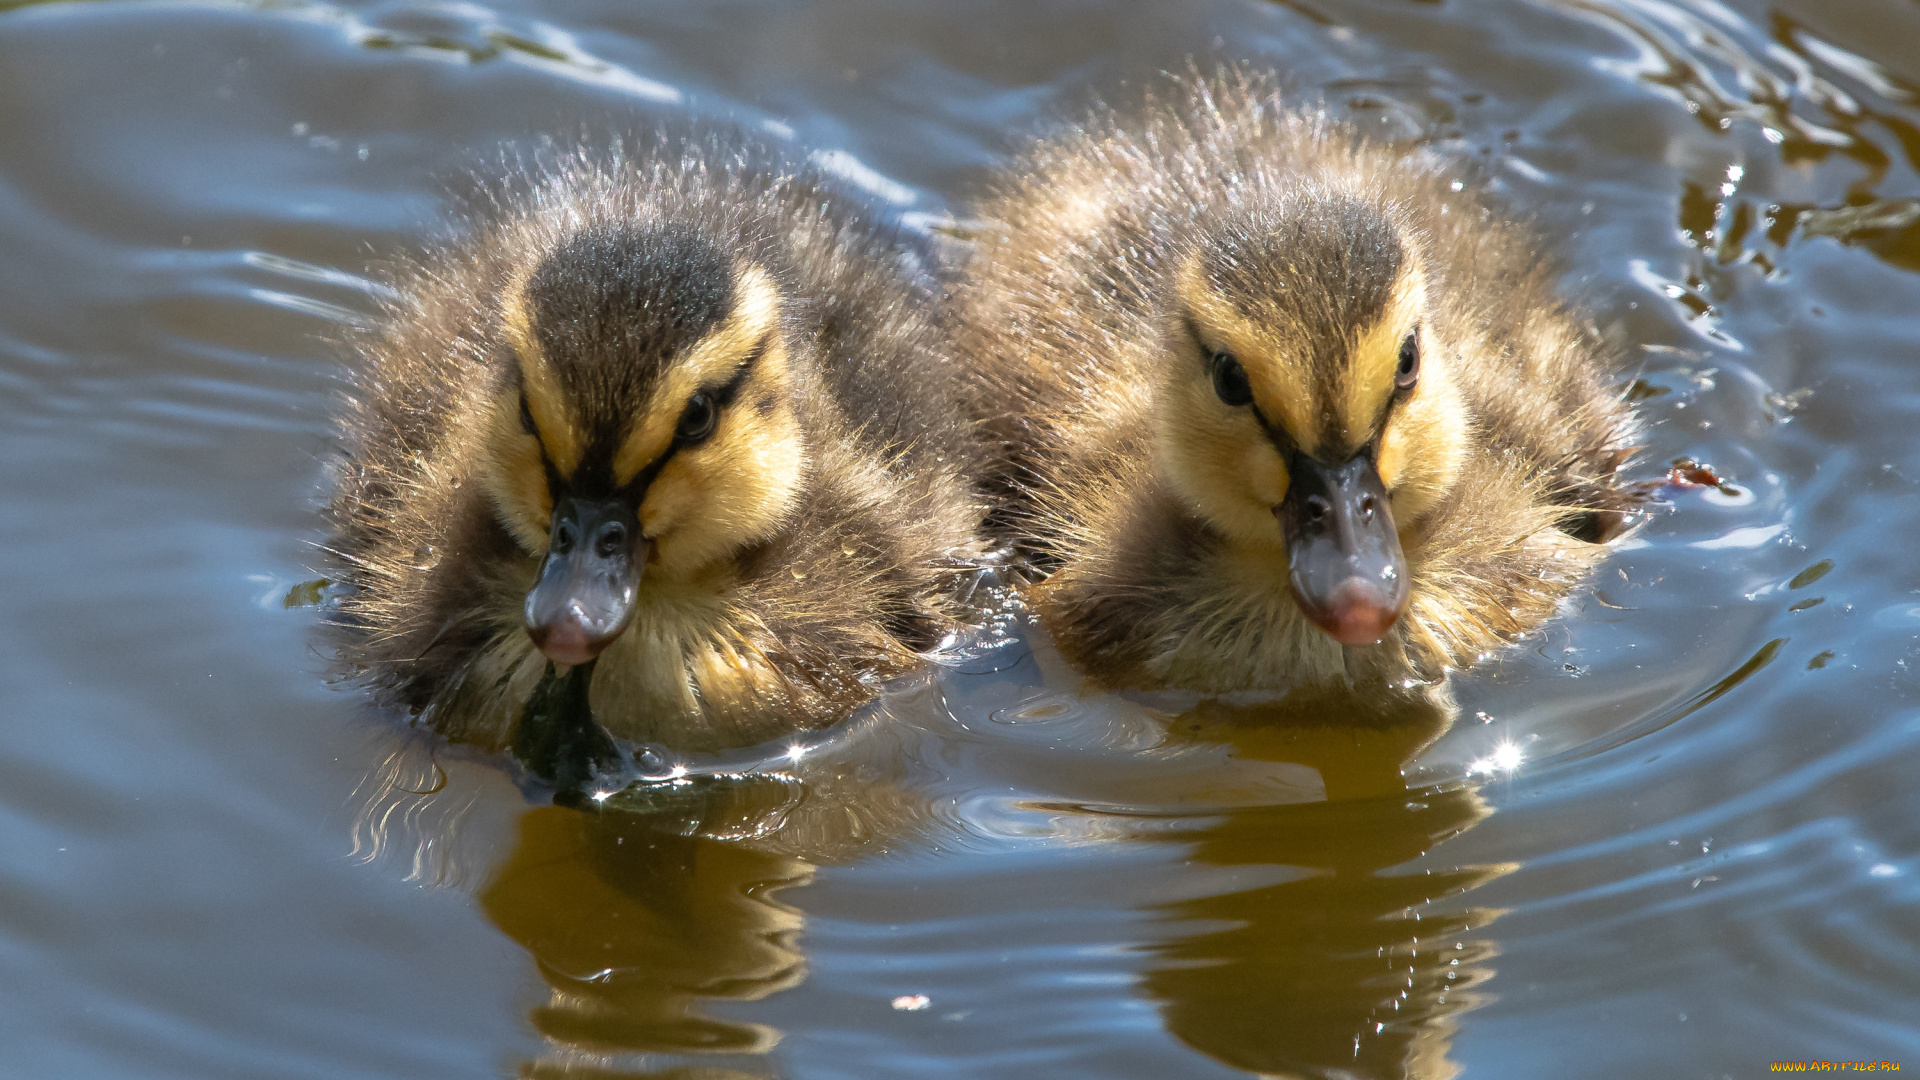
(1308, 947)
(644, 911)
(1337, 969)
(636, 914)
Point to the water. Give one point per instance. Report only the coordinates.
(1675, 834)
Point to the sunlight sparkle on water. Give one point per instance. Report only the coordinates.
(1506, 757)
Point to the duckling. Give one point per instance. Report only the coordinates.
(1282, 409)
(674, 422)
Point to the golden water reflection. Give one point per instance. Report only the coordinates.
(1338, 970)
(645, 913)
(1320, 956)
(639, 915)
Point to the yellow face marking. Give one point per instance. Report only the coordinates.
(1390, 461)
(726, 490)
(558, 433)
(517, 477)
(755, 315)
(1282, 387)
(1367, 383)
(736, 487)
(1228, 469)
(1425, 441)
(514, 475)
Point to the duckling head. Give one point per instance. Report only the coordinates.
(642, 423)
(1310, 408)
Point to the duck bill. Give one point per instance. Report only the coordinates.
(587, 586)
(1345, 565)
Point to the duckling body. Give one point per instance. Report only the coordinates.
(678, 412)
(1281, 410)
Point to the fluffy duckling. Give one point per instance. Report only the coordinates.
(675, 422)
(1283, 410)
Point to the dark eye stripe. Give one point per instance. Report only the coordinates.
(526, 417)
(1404, 381)
(1199, 339)
(715, 399)
(726, 392)
(556, 484)
(721, 396)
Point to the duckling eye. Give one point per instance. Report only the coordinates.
(699, 419)
(1230, 380)
(1408, 372)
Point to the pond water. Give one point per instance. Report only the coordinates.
(1677, 833)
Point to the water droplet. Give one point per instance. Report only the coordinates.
(798, 574)
(655, 763)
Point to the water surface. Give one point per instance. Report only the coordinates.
(1674, 834)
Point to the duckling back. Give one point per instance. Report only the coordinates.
(677, 410)
(1210, 337)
